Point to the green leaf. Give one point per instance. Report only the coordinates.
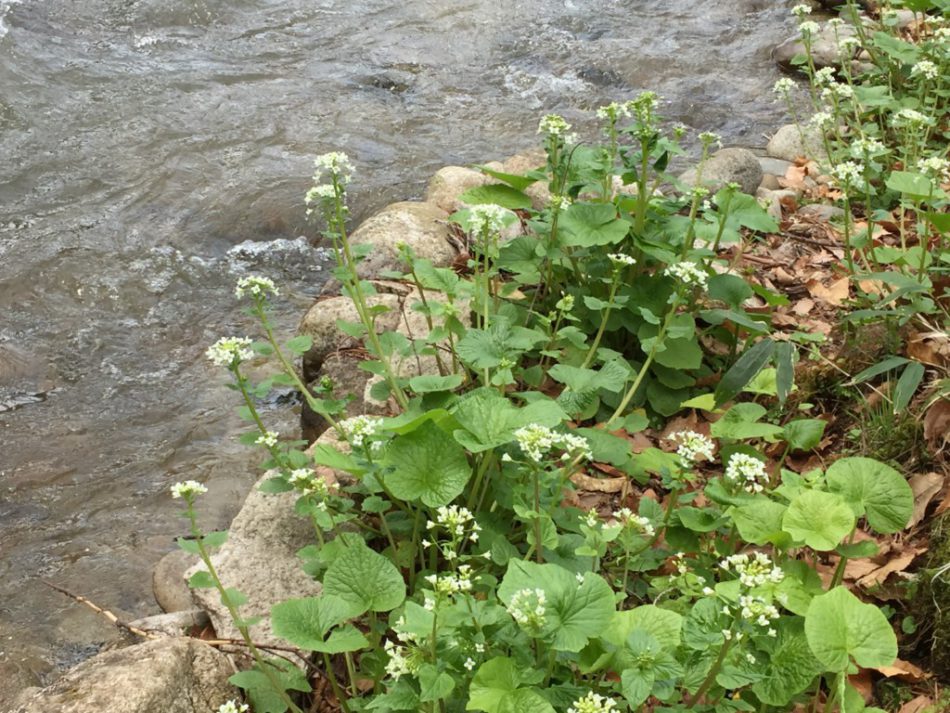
(636, 685)
(879, 368)
(804, 434)
(784, 369)
(916, 185)
(513, 180)
(427, 466)
(215, 539)
(662, 624)
(525, 700)
(434, 685)
(840, 627)
(907, 385)
(300, 344)
(324, 454)
(490, 420)
(873, 489)
(261, 691)
(731, 289)
(494, 679)
(684, 353)
(699, 519)
(496, 194)
(820, 520)
(201, 580)
(760, 522)
(428, 383)
(791, 667)
(592, 224)
(365, 580)
(306, 622)
(612, 376)
(741, 373)
(741, 422)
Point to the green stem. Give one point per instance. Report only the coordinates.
(711, 676)
(603, 320)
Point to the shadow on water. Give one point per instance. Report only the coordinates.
(143, 140)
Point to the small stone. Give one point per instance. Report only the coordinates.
(770, 182)
(820, 212)
(791, 142)
(179, 623)
(774, 166)
(171, 592)
(731, 165)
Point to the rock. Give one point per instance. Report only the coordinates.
(421, 226)
(320, 324)
(259, 559)
(450, 182)
(171, 592)
(343, 369)
(731, 165)
(770, 182)
(774, 166)
(175, 675)
(824, 48)
(179, 623)
(820, 212)
(791, 142)
(522, 163)
(770, 201)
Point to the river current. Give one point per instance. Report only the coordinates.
(152, 151)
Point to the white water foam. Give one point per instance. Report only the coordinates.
(5, 6)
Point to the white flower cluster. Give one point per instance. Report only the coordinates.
(910, 118)
(629, 519)
(268, 440)
(688, 273)
(359, 428)
(825, 76)
(593, 703)
(454, 519)
(822, 120)
(747, 470)
(230, 350)
(926, 69)
(809, 29)
(693, 446)
(446, 585)
(865, 147)
(560, 203)
(565, 304)
(783, 86)
(842, 91)
(801, 10)
(613, 112)
(848, 172)
(188, 489)
(256, 287)
(620, 259)
(936, 167)
(320, 192)
(401, 662)
(527, 607)
(553, 125)
(309, 483)
(487, 218)
(757, 611)
(847, 44)
(709, 138)
(754, 571)
(233, 707)
(335, 163)
(536, 441)
(592, 519)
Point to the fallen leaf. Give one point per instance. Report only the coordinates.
(937, 425)
(925, 487)
(598, 485)
(894, 564)
(917, 705)
(863, 684)
(929, 348)
(794, 177)
(904, 670)
(803, 306)
(834, 294)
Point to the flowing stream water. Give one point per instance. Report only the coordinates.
(152, 151)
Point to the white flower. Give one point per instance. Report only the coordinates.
(847, 45)
(560, 203)
(809, 29)
(708, 138)
(620, 259)
(527, 607)
(936, 167)
(565, 304)
(747, 470)
(591, 518)
(628, 519)
(926, 69)
(842, 91)
(553, 125)
(321, 192)
(865, 147)
(487, 217)
(688, 273)
(822, 120)
(613, 112)
(188, 489)
(593, 703)
(360, 428)
(709, 591)
(399, 662)
(783, 86)
(536, 441)
(801, 10)
(825, 76)
(454, 519)
(726, 633)
(755, 571)
(772, 632)
(750, 658)
(334, 163)
(308, 482)
(757, 610)
(693, 446)
(848, 172)
(911, 118)
(268, 440)
(255, 286)
(469, 664)
(480, 648)
(233, 707)
(447, 585)
(228, 351)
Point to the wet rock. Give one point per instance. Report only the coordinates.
(731, 165)
(171, 592)
(791, 142)
(179, 623)
(421, 226)
(820, 212)
(259, 559)
(450, 182)
(175, 675)
(824, 49)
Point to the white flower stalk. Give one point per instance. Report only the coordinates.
(593, 703)
(848, 173)
(867, 148)
(693, 446)
(825, 76)
(747, 471)
(309, 483)
(935, 167)
(784, 86)
(822, 120)
(565, 304)
(630, 520)
(848, 45)
(230, 351)
(188, 490)
(255, 286)
(755, 571)
(560, 203)
(801, 10)
(809, 29)
(592, 519)
(926, 69)
(710, 138)
(527, 607)
(910, 118)
(401, 661)
(622, 260)
(320, 193)
(687, 273)
(335, 164)
(487, 218)
(233, 707)
(757, 610)
(448, 585)
(359, 429)
(841, 91)
(613, 112)
(453, 518)
(553, 125)
(536, 441)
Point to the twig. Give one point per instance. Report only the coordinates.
(104, 612)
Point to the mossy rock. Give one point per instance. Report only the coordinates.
(932, 603)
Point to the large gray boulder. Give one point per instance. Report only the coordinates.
(450, 182)
(170, 675)
(825, 51)
(731, 165)
(791, 142)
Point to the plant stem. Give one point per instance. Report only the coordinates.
(711, 676)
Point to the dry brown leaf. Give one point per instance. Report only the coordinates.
(598, 485)
(904, 670)
(925, 487)
(803, 306)
(863, 684)
(834, 294)
(794, 177)
(895, 564)
(916, 705)
(929, 348)
(937, 425)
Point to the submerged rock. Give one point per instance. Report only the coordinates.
(174, 675)
(731, 165)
